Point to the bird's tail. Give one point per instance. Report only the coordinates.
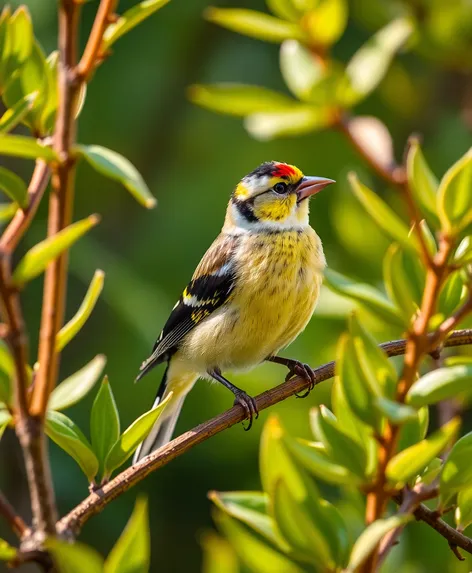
(180, 383)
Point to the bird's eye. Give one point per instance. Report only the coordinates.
(280, 188)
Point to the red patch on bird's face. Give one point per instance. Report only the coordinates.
(283, 170)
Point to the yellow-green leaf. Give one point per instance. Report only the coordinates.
(455, 195)
(299, 68)
(409, 463)
(422, 181)
(387, 220)
(7, 552)
(371, 537)
(297, 121)
(38, 257)
(133, 436)
(130, 19)
(115, 166)
(74, 388)
(69, 330)
(12, 117)
(68, 436)
(14, 186)
(254, 24)
(74, 557)
(440, 384)
(327, 22)
(26, 147)
(104, 422)
(457, 471)
(132, 551)
(239, 99)
(463, 514)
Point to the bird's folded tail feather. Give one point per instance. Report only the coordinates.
(162, 431)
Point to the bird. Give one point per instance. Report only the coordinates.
(252, 293)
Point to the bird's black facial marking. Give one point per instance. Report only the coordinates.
(245, 210)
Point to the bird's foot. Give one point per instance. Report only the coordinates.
(249, 405)
(303, 370)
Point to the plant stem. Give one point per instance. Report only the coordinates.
(16, 522)
(97, 501)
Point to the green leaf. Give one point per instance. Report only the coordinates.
(254, 24)
(27, 147)
(370, 63)
(463, 514)
(463, 254)
(395, 412)
(284, 9)
(428, 238)
(69, 330)
(371, 537)
(368, 296)
(5, 420)
(298, 529)
(327, 22)
(38, 257)
(276, 463)
(74, 557)
(430, 472)
(239, 99)
(387, 221)
(415, 430)
(254, 552)
(451, 294)
(250, 507)
(130, 439)
(299, 68)
(457, 470)
(74, 388)
(218, 555)
(318, 464)
(104, 422)
(7, 552)
(341, 448)
(31, 77)
(12, 117)
(398, 283)
(132, 551)
(19, 41)
(130, 19)
(49, 108)
(379, 373)
(297, 121)
(455, 196)
(355, 386)
(423, 183)
(117, 167)
(68, 436)
(4, 43)
(7, 371)
(7, 211)
(440, 384)
(14, 186)
(410, 462)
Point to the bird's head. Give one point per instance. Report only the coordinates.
(272, 197)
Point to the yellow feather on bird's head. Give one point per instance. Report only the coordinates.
(272, 197)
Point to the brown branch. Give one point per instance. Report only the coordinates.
(60, 206)
(13, 519)
(23, 217)
(410, 501)
(92, 53)
(98, 500)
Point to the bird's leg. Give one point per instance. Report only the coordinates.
(240, 397)
(296, 368)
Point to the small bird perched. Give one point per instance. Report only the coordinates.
(251, 295)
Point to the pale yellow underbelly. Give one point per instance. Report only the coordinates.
(277, 288)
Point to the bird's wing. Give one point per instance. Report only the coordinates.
(210, 287)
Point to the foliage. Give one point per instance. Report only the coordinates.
(374, 442)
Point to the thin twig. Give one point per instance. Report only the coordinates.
(97, 501)
(411, 500)
(23, 217)
(13, 519)
(92, 53)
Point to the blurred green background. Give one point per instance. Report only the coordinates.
(191, 160)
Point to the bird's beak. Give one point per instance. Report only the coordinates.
(311, 185)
